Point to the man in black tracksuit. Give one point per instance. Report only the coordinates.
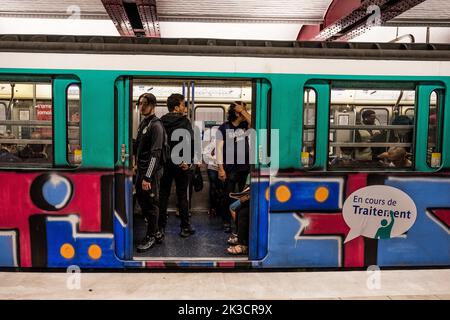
(148, 151)
(180, 171)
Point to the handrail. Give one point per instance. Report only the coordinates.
(33, 141)
(37, 123)
(366, 127)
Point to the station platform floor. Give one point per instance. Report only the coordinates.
(428, 284)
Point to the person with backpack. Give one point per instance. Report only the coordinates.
(180, 172)
(148, 150)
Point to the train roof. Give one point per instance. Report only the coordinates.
(220, 47)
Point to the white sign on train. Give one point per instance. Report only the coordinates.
(378, 212)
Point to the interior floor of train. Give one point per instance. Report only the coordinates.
(209, 240)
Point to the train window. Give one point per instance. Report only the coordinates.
(410, 112)
(26, 124)
(210, 114)
(309, 127)
(434, 130)
(368, 131)
(73, 124)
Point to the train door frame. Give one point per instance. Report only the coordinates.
(123, 168)
(258, 229)
(260, 171)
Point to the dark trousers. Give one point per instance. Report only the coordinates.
(235, 182)
(243, 215)
(216, 191)
(181, 177)
(149, 201)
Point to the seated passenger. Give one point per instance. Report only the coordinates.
(397, 157)
(33, 151)
(8, 153)
(402, 135)
(240, 211)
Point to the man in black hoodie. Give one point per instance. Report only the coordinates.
(177, 170)
(148, 151)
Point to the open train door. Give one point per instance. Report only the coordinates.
(123, 173)
(260, 170)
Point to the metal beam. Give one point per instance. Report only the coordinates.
(119, 17)
(370, 13)
(134, 17)
(336, 10)
(149, 17)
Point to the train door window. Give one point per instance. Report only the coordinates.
(26, 134)
(409, 112)
(73, 124)
(434, 130)
(207, 119)
(210, 114)
(309, 127)
(367, 130)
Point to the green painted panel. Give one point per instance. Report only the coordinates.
(286, 110)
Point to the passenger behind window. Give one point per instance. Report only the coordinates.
(8, 151)
(33, 151)
(396, 157)
(368, 135)
(401, 135)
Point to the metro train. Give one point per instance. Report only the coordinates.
(329, 188)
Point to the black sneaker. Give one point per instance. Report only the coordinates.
(186, 232)
(159, 236)
(146, 244)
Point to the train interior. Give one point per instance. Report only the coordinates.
(356, 143)
(207, 102)
(26, 114)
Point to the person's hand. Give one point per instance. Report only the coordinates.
(222, 175)
(184, 166)
(239, 108)
(245, 198)
(146, 185)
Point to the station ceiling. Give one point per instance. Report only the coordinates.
(276, 11)
(298, 12)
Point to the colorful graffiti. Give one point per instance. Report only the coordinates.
(313, 230)
(44, 217)
(428, 241)
(81, 219)
(66, 246)
(306, 236)
(8, 248)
